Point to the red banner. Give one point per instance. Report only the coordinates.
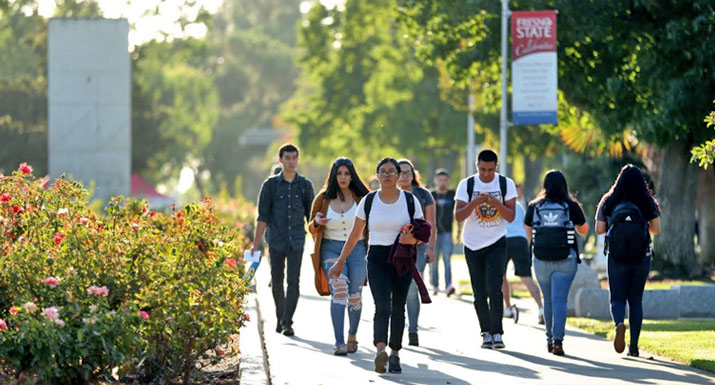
(532, 32)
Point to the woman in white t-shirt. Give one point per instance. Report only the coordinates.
(387, 216)
(332, 217)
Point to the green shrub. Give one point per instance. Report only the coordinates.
(84, 296)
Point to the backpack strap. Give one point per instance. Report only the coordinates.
(502, 188)
(410, 205)
(470, 188)
(368, 205)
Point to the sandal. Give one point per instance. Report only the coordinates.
(341, 350)
(352, 346)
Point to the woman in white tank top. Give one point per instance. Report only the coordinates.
(333, 215)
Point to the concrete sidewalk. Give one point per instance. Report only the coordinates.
(449, 351)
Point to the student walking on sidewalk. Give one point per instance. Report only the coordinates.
(386, 212)
(444, 204)
(410, 181)
(332, 218)
(626, 214)
(517, 250)
(551, 221)
(486, 201)
(283, 206)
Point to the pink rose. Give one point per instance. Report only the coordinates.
(53, 314)
(231, 263)
(3, 325)
(144, 315)
(25, 168)
(98, 291)
(50, 281)
(14, 310)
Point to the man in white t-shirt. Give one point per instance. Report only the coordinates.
(484, 202)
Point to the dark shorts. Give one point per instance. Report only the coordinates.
(517, 249)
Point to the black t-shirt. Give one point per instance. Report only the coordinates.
(445, 210)
(575, 213)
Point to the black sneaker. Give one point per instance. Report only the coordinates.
(487, 341)
(498, 342)
(394, 366)
(288, 331)
(633, 351)
(550, 347)
(558, 348)
(414, 339)
(279, 329)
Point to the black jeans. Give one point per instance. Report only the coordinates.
(286, 300)
(627, 282)
(486, 267)
(389, 291)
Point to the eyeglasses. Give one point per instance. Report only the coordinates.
(406, 173)
(388, 173)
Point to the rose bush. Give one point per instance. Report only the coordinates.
(131, 292)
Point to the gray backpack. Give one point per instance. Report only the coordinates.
(553, 235)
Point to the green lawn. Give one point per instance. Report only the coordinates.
(689, 342)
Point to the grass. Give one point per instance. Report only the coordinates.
(689, 342)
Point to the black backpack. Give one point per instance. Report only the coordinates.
(627, 239)
(553, 235)
(371, 196)
(502, 187)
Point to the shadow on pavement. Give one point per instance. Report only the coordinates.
(608, 370)
(438, 355)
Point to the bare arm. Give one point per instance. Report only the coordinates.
(601, 227)
(654, 225)
(431, 217)
(528, 232)
(582, 229)
(463, 209)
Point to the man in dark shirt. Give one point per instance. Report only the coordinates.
(283, 207)
(444, 199)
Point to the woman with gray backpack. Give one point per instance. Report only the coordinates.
(551, 222)
(626, 214)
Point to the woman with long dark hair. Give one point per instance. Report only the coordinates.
(332, 216)
(551, 221)
(410, 181)
(388, 212)
(628, 211)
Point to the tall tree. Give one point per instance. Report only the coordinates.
(611, 66)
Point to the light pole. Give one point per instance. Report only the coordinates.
(471, 156)
(503, 123)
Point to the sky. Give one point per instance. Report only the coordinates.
(146, 26)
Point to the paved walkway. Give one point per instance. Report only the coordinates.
(449, 351)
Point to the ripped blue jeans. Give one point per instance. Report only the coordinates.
(346, 290)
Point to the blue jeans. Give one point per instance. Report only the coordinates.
(555, 278)
(626, 283)
(444, 247)
(346, 289)
(413, 298)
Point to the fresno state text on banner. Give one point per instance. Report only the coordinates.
(534, 67)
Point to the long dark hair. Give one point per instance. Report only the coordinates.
(415, 174)
(332, 189)
(630, 186)
(555, 189)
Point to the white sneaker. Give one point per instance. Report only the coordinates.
(498, 342)
(508, 313)
(487, 341)
(541, 316)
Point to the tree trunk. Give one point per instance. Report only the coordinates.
(532, 176)
(706, 216)
(674, 248)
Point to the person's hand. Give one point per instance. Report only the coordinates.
(254, 248)
(336, 269)
(478, 200)
(319, 220)
(491, 200)
(406, 238)
(431, 257)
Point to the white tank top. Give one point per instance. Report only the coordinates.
(340, 225)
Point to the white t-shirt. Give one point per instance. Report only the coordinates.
(386, 220)
(485, 225)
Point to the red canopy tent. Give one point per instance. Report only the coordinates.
(140, 188)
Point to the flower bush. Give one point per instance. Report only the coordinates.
(132, 292)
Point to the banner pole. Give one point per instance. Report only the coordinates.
(503, 123)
